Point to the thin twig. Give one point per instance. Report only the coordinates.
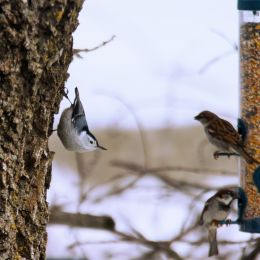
(163, 246)
(228, 40)
(214, 60)
(221, 56)
(76, 52)
(139, 125)
(119, 190)
(138, 168)
(183, 233)
(191, 207)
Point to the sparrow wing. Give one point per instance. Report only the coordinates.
(78, 114)
(224, 131)
(206, 207)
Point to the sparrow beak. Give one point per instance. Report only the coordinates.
(197, 117)
(101, 147)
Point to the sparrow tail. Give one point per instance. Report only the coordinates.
(213, 243)
(249, 159)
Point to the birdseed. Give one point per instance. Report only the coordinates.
(250, 110)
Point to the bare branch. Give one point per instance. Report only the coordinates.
(183, 233)
(163, 246)
(184, 186)
(76, 52)
(254, 253)
(221, 56)
(119, 190)
(80, 220)
(139, 125)
(224, 37)
(214, 60)
(140, 169)
(85, 171)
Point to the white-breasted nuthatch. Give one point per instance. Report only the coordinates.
(73, 129)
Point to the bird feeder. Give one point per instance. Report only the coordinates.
(249, 19)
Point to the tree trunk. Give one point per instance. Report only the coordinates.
(35, 52)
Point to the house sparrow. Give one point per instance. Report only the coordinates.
(216, 209)
(223, 135)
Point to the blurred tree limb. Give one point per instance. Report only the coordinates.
(138, 168)
(137, 238)
(80, 220)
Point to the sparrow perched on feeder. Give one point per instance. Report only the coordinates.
(216, 209)
(223, 135)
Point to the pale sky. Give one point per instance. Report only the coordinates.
(153, 63)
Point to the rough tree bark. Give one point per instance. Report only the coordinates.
(35, 52)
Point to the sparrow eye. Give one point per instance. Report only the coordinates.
(91, 141)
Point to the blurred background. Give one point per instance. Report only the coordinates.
(148, 68)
